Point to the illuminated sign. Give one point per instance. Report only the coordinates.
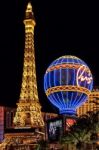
(53, 126)
(69, 123)
(54, 129)
(83, 75)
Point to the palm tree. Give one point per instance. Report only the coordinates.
(42, 145)
(94, 121)
(81, 131)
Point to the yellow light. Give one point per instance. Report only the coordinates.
(67, 88)
(29, 101)
(29, 6)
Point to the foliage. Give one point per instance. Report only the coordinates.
(82, 130)
(94, 121)
(42, 145)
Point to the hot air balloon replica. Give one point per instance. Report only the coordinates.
(68, 83)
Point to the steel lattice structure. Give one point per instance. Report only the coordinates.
(28, 112)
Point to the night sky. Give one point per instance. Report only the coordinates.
(61, 28)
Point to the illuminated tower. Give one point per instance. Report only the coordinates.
(28, 113)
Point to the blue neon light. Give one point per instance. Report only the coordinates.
(68, 101)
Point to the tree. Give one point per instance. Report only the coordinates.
(42, 145)
(81, 131)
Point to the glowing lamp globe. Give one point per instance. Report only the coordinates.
(67, 83)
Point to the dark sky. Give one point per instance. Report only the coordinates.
(62, 28)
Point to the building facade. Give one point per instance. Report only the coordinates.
(1, 123)
(92, 104)
(6, 119)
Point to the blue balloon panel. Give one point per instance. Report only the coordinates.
(67, 83)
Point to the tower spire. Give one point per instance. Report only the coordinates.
(28, 113)
(29, 13)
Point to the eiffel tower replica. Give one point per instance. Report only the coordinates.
(28, 114)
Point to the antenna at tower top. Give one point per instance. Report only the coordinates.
(29, 7)
(29, 13)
